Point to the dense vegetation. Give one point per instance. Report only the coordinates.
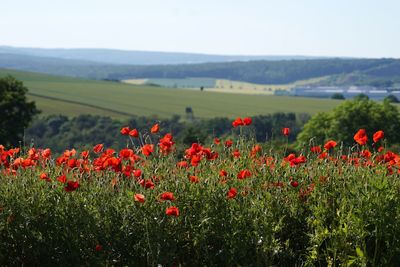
(197, 192)
(16, 111)
(233, 202)
(350, 116)
(59, 132)
(273, 72)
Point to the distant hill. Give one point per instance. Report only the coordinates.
(56, 66)
(126, 57)
(336, 71)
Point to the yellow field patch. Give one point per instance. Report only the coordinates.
(135, 81)
(228, 86)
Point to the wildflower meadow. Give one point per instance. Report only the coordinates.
(234, 202)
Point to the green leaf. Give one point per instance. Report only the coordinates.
(359, 252)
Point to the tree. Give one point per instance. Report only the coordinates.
(391, 99)
(338, 96)
(361, 97)
(16, 112)
(345, 120)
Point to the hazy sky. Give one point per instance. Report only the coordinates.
(359, 28)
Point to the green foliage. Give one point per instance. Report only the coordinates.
(360, 97)
(345, 120)
(338, 96)
(339, 213)
(16, 112)
(61, 132)
(391, 99)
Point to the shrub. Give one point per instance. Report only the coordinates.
(347, 118)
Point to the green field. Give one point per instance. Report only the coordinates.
(69, 96)
(225, 86)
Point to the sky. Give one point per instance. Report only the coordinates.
(351, 28)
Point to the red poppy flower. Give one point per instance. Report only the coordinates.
(148, 184)
(166, 144)
(134, 133)
(147, 149)
(247, 121)
(98, 248)
(330, 144)
(45, 176)
(137, 173)
(126, 153)
(125, 131)
(378, 136)
(195, 160)
(255, 149)
(293, 160)
(323, 155)
(172, 211)
(217, 141)
(290, 157)
(98, 148)
(294, 183)
(72, 163)
(194, 179)
(85, 154)
(182, 164)
(228, 143)
(316, 149)
(236, 153)
(33, 154)
(223, 173)
(237, 122)
(13, 151)
(232, 193)
(69, 153)
(71, 186)
(46, 153)
(167, 196)
(285, 131)
(243, 174)
(62, 178)
(139, 198)
(366, 153)
(155, 128)
(361, 137)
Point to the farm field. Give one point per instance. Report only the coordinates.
(70, 96)
(223, 85)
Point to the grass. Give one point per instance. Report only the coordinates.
(186, 83)
(243, 204)
(228, 86)
(70, 96)
(225, 86)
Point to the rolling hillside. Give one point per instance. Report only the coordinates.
(225, 86)
(69, 96)
(376, 72)
(129, 57)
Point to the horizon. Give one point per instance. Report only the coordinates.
(160, 51)
(357, 29)
(194, 53)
